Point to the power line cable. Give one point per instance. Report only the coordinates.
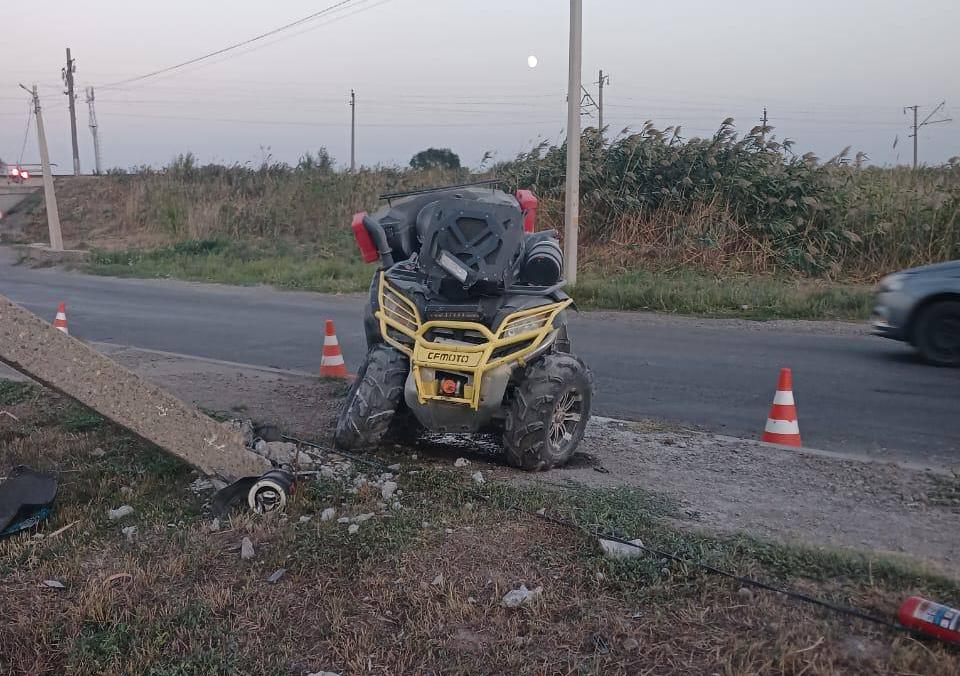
(310, 17)
(26, 134)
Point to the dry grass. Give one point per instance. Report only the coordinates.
(184, 602)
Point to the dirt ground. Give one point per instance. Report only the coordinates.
(724, 485)
(418, 587)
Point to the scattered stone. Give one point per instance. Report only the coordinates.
(388, 489)
(470, 599)
(353, 528)
(276, 575)
(618, 550)
(395, 468)
(53, 584)
(448, 531)
(126, 491)
(98, 452)
(600, 576)
(343, 519)
(246, 549)
(120, 512)
(413, 456)
(323, 673)
(305, 519)
(199, 485)
(477, 477)
(328, 514)
(631, 644)
(424, 524)
(360, 518)
(438, 580)
(542, 511)
(461, 462)
(517, 597)
(745, 593)
(129, 532)
(214, 525)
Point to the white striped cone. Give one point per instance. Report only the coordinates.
(332, 364)
(782, 426)
(60, 322)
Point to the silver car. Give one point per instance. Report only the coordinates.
(921, 306)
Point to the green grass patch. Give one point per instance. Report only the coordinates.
(338, 269)
(744, 296)
(240, 263)
(13, 392)
(631, 513)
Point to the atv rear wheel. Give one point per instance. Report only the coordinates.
(373, 399)
(548, 413)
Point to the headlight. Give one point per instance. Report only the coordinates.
(524, 325)
(892, 282)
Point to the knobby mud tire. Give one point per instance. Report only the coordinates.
(373, 400)
(527, 436)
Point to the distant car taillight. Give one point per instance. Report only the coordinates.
(364, 242)
(528, 204)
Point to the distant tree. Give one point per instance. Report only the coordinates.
(322, 162)
(435, 158)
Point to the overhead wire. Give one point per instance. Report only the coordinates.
(310, 17)
(26, 135)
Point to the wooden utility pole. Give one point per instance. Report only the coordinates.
(53, 214)
(353, 131)
(94, 131)
(571, 212)
(68, 80)
(763, 129)
(918, 126)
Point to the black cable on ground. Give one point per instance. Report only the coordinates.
(849, 611)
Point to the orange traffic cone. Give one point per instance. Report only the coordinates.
(331, 365)
(60, 322)
(782, 427)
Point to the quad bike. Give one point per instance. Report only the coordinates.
(467, 327)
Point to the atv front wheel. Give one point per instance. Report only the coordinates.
(548, 413)
(373, 399)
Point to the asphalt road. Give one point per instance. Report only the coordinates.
(854, 392)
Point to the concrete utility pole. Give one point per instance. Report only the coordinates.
(353, 131)
(571, 212)
(763, 133)
(918, 126)
(93, 131)
(68, 80)
(604, 79)
(53, 214)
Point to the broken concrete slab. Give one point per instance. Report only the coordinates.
(33, 347)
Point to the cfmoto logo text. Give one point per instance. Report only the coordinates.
(448, 357)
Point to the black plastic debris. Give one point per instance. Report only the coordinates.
(25, 499)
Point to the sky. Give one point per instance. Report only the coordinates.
(454, 73)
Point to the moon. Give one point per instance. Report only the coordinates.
(532, 61)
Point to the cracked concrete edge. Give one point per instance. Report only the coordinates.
(33, 347)
(846, 456)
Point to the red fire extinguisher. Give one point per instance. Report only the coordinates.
(933, 619)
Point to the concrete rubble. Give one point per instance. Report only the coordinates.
(33, 347)
(618, 550)
(119, 512)
(518, 597)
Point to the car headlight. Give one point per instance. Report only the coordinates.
(892, 282)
